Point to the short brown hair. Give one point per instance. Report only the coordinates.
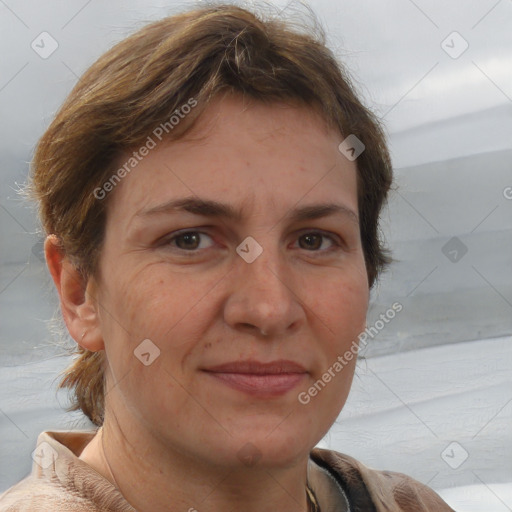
(140, 82)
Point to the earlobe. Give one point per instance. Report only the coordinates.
(77, 301)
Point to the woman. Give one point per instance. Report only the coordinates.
(211, 190)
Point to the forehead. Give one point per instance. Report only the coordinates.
(254, 155)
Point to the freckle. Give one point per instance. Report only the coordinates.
(207, 345)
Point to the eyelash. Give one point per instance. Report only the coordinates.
(336, 244)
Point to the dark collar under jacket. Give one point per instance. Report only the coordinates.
(341, 483)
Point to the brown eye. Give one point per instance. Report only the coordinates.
(314, 241)
(191, 241)
(310, 241)
(188, 241)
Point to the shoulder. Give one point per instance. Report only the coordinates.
(37, 496)
(378, 490)
(61, 482)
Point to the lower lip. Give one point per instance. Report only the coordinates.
(262, 385)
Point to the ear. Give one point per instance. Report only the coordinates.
(77, 297)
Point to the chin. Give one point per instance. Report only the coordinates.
(272, 448)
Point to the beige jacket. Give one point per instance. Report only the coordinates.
(61, 482)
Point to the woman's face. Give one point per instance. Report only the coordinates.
(189, 305)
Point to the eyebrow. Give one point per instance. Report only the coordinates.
(210, 208)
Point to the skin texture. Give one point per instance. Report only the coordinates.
(173, 433)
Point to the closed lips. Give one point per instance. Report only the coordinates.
(263, 380)
(257, 368)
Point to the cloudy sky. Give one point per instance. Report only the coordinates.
(394, 49)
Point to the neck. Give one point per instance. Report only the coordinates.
(154, 478)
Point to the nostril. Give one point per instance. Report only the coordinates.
(252, 327)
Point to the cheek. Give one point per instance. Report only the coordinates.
(167, 308)
(344, 311)
(150, 302)
(346, 307)
(147, 329)
(352, 309)
(342, 305)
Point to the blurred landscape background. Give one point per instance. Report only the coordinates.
(439, 75)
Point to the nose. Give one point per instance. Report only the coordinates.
(263, 298)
